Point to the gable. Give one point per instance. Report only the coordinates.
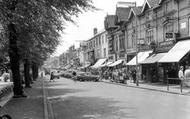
(145, 6)
(131, 14)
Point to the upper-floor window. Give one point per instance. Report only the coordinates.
(96, 41)
(102, 39)
(168, 6)
(168, 28)
(104, 52)
(148, 16)
(99, 40)
(149, 35)
(121, 41)
(116, 43)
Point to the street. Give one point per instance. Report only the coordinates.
(98, 100)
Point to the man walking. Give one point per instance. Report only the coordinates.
(180, 73)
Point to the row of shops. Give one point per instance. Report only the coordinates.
(151, 66)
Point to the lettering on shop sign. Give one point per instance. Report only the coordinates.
(166, 43)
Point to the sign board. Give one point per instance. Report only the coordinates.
(140, 41)
(183, 25)
(169, 36)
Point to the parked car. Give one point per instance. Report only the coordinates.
(87, 77)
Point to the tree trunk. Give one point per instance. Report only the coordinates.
(27, 73)
(34, 71)
(14, 60)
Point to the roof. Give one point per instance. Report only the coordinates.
(150, 3)
(135, 11)
(138, 9)
(122, 13)
(109, 22)
(153, 3)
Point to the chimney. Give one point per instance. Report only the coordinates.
(95, 31)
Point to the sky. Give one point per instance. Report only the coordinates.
(86, 22)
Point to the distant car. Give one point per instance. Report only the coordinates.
(87, 77)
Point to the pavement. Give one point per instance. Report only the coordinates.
(35, 106)
(175, 89)
(31, 107)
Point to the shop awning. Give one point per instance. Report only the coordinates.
(115, 63)
(67, 66)
(153, 58)
(141, 56)
(106, 64)
(99, 63)
(179, 50)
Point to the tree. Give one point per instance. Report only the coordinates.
(38, 22)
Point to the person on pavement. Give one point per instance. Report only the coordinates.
(180, 73)
(51, 76)
(74, 76)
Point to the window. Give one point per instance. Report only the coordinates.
(104, 52)
(147, 16)
(116, 44)
(96, 41)
(121, 41)
(168, 6)
(102, 39)
(168, 28)
(98, 53)
(149, 35)
(133, 40)
(99, 40)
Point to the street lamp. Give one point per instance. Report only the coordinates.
(137, 79)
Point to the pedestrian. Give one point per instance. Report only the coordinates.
(51, 76)
(74, 76)
(134, 75)
(180, 73)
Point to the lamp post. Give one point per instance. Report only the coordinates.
(137, 78)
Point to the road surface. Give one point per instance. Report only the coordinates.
(98, 100)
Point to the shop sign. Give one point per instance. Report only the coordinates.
(183, 25)
(131, 50)
(140, 41)
(166, 43)
(170, 36)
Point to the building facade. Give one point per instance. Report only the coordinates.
(157, 26)
(97, 46)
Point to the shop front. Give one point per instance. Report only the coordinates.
(151, 70)
(133, 64)
(177, 56)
